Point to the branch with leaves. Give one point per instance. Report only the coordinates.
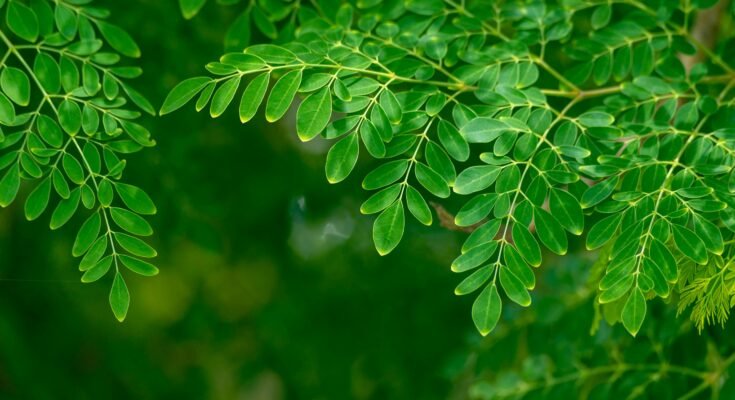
(555, 120)
(66, 121)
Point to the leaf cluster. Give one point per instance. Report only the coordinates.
(67, 120)
(547, 120)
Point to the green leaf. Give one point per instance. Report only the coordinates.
(190, 8)
(476, 209)
(37, 201)
(392, 107)
(513, 287)
(486, 309)
(417, 206)
(710, 234)
(118, 39)
(314, 114)
(65, 210)
(7, 110)
(341, 90)
(474, 257)
(69, 74)
(388, 228)
(634, 311)
(119, 297)
(91, 79)
(87, 234)
(183, 92)
(282, 95)
(134, 245)
(73, 169)
(603, 231)
(474, 281)
(70, 117)
(690, 245)
(550, 232)
(253, 96)
(66, 21)
(135, 198)
(16, 85)
(617, 290)
(526, 244)
(381, 200)
(138, 266)
(47, 72)
(223, 96)
(431, 180)
(567, 211)
(439, 161)
(372, 140)
(60, 184)
(518, 267)
(661, 255)
(342, 158)
(385, 174)
(599, 192)
(596, 119)
(272, 54)
(475, 179)
(601, 16)
(453, 142)
(130, 222)
(22, 20)
(49, 131)
(138, 99)
(483, 130)
(98, 270)
(94, 254)
(9, 185)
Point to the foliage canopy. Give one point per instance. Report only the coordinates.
(545, 120)
(548, 120)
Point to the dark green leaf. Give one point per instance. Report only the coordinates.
(118, 39)
(87, 234)
(16, 85)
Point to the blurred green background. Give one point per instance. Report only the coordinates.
(270, 287)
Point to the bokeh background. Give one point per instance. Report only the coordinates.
(270, 287)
